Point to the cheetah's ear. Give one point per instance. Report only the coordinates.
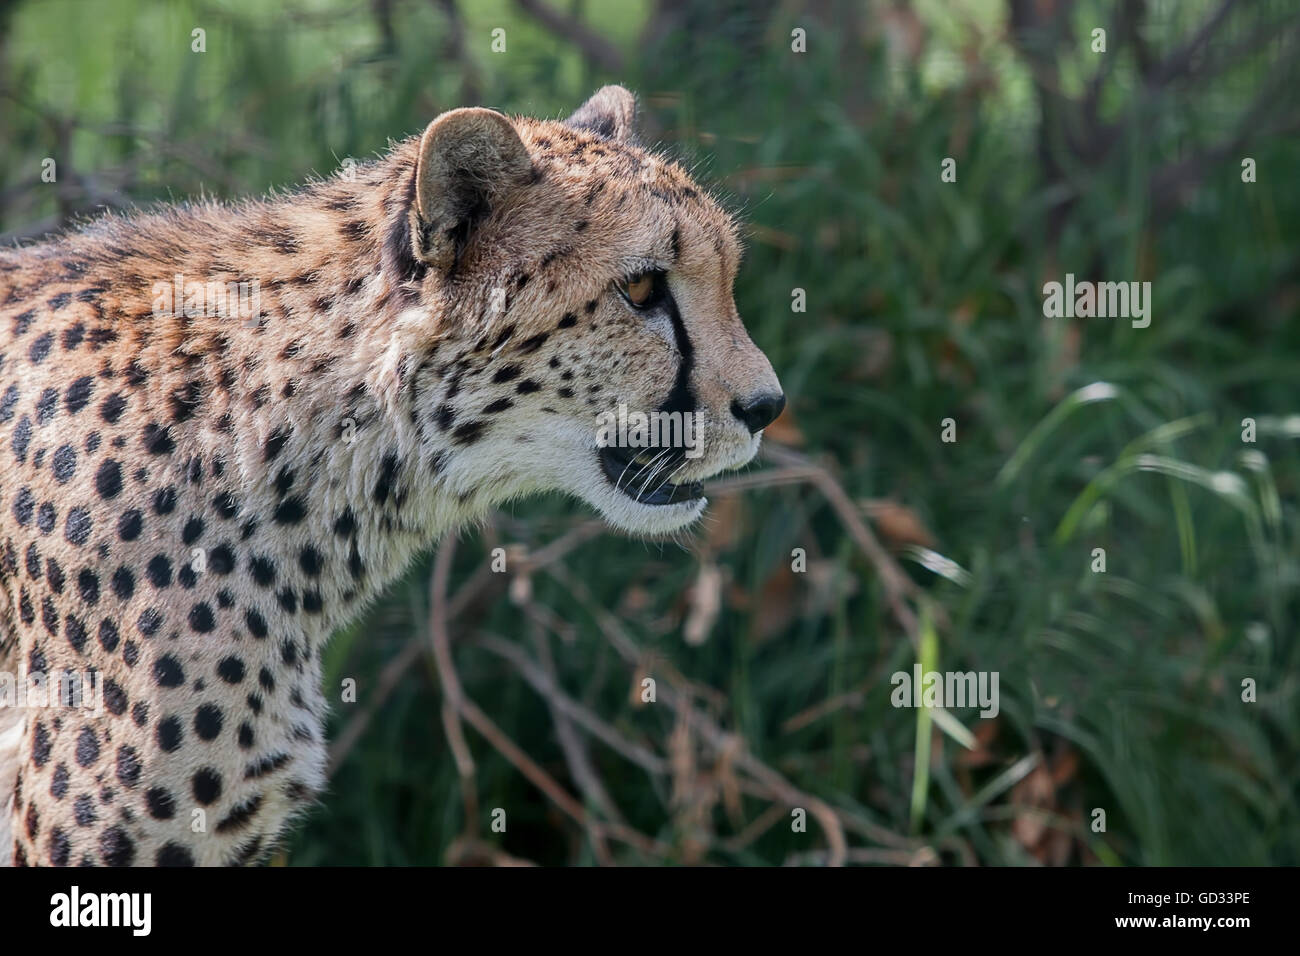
(469, 159)
(610, 114)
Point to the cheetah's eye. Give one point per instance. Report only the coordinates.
(640, 290)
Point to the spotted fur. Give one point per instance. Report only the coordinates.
(191, 504)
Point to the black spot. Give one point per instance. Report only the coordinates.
(64, 463)
(40, 745)
(75, 632)
(123, 583)
(170, 734)
(50, 617)
(24, 503)
(108, 480)
(345, 524)
(164, 500)
(108, 636)
(290, 511)
(7, 403)
(533, 343)
(40, 348)
(288, 600)
(309, 560)
(226, 504)
(130, 653)
(148, 623)
(157, 439)
(88, 585)
(87, 748)
(568, 321)
(500, 405)
(110, 410)
(275, 444)
(387, 475)
(202, 619)
(355, 567)
(240, 815)
(245, 736)
(263, 571)
(116, 848)
(230, 670)
(160, 803)
(221, 559)
(59, 782)
(60, 847)
(268, 764)
(311, 602)
(193, 530)
(22, 438)
(128, 766)
(506, 373)
(159, 571)
(167, 672)
(83, 810)
(77, 396)
(173, 854)
(468, 433)
(206, 786)
(78, 526)
(185, 401)
(128, 526)
(207, 722)
(267, 680)
(115, 698)
(256, 623)
(33, 559)
(283, 482)
(527, 387)
(45, 516)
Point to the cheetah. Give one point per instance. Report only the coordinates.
(194, 498)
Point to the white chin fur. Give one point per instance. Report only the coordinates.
(627, 515)
(640, 519)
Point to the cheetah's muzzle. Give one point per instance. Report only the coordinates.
(644, 475)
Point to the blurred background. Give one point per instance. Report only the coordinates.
(861, 542)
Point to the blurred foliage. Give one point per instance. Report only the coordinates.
(1119, 691)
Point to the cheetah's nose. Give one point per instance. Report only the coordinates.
(759, 412)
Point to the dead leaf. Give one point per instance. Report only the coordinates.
(898, 524)
(1034, 793)
(705, 601)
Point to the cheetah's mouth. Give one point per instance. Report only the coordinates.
(643, 474)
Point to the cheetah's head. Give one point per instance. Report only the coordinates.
(586, 338)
